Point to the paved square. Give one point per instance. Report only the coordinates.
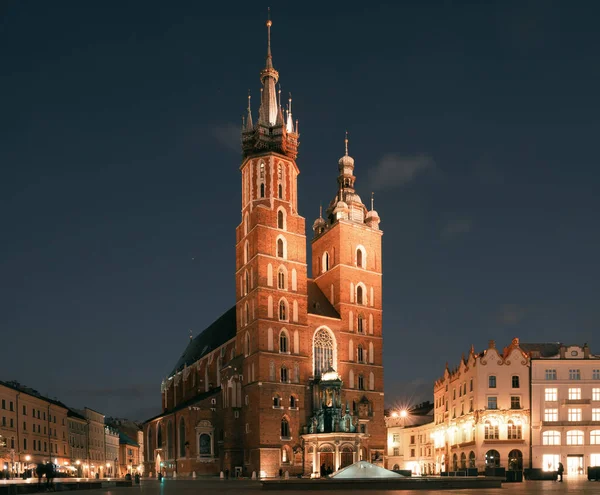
(200, 487)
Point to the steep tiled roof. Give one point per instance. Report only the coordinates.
(318, 304)
(124, 439)
(214, 336)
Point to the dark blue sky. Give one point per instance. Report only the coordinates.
(476, 126)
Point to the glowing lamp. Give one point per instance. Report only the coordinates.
(403, 413)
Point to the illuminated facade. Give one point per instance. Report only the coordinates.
(565, 412)
(482, 411)
(33, 427)
(291, 377)
(410, 440)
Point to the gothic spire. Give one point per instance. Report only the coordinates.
(268, 77)
(249, 124)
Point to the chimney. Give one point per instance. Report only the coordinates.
(586, 351)
(563, 351)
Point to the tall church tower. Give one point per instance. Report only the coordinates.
(271, 289)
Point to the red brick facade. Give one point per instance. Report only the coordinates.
(291, 378)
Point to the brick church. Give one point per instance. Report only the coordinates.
(291, 377)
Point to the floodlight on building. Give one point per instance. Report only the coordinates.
(403, 413)
(27, 458)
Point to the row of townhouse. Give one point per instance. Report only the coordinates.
(527, 406)
(36, 430)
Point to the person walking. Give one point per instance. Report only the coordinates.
(560, 471)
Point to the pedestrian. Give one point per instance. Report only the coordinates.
(561, 470)
(226, 474)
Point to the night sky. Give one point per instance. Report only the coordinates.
(476, 126)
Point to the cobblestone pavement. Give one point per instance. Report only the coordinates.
(200, 487)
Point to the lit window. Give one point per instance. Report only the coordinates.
(515, 381)
(574, 394)
(550, 414)
(262, 171)
(596, 394)
(491, 431)
(396, 451)
(550, 374)
(596, 414)
(325, 262)
(284, 456)
(574, 374)
(515, 402)
(514, 432)
(551, 395)
(551, 438)
(492, 381)
(575, 414)
(492, 403)
(595, 437)
(575, 437)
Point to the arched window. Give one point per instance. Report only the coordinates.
(283, 311)
(283, 372)
(575, 437)
(182, 441)
(361, 257)
(325, 262)
(281, 279)
(280, 191)
(360, 354)
(277, 401)
(360, 324)
(396, 467)
(514, 431)
(246, 283)
(247, 345)
(515, 460)
(170, 440)
(280, 219)
(159, 437)
(371, 353)
(492, 458)
(262, 190)
(283, 342)
(323, 351)
(293, 401)
(454, 462)
(471, 459)
(281, 248)
(246, 224)
(490, 431)
(261, 172)
(463, 461)
(359, 294)
(246, 314)
(285, 428)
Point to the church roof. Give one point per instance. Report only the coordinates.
(318, 304)
(215, 335)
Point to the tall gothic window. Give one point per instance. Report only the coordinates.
(280, 191)
(280, 248)
(360, 354)
(323, 346)
(325, 262)
(281, 279)
(360, 324)
(262, 171)
(360, 382)
(159, 438)
(282, 310)
(262, 190)
(169, 440)
(182, 438)
(284, 374)
(359, 258)
(285, 428)
(359, 295)
(280, 219)
(283, 342)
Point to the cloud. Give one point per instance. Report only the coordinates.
(511, 314)
(456, 227)
(395, 169)
(229, 136)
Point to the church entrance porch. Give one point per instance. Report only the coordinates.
(325, 453)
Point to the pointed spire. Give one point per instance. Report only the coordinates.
(290, 122)
(269, 64)
(269, 77)
(249, 124)
(372, 200)
(346, 143)
(320, 211)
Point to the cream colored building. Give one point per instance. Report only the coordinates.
(77, 427)
(34, 428)
(410, 440)
(565, 416)
(95, 459)
(111, 442)
(482, 411)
